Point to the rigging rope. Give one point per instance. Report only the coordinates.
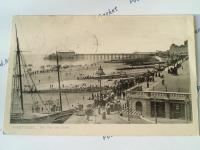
(65, 94)
(15, 89)
(28, 83)
(23, 61)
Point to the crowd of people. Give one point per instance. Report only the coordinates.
(48, 107)
(174, 69)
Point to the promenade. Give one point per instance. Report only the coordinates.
(112, 118)
(172, 83)
(176, 83)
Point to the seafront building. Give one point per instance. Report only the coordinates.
(169, 105)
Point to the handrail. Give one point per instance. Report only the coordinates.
(159, 95)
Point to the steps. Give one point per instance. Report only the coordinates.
(131, 111)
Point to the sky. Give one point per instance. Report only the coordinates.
(96, 34)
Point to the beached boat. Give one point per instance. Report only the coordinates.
(42, 114)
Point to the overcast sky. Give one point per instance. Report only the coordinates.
(91, 34)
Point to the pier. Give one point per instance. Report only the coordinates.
(104, 56)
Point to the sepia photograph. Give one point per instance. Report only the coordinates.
(93, 70)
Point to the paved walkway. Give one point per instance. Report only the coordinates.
(176, 83)
(75, 119)
(113, 118)
(173, 83)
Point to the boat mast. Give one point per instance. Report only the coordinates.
(20, 74)
(58, 69)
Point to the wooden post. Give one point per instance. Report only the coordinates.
(100, 87)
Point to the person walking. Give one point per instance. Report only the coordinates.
(147, 84)
(99, 109)
(163, 82)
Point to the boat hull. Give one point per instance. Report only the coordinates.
(59, 118)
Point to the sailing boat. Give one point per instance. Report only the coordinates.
(18, 114)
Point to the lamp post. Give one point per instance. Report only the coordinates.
(100, 72)
(186, 109)
(155, 111)
(128, 103)
(186, 115)
(155, 108)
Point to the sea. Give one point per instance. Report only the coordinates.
(37, 60)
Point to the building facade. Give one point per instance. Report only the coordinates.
(171, 105)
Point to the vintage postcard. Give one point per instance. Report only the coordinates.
(100, 75)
